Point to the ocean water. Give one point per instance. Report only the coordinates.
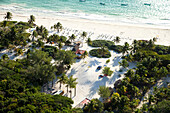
(157, 13)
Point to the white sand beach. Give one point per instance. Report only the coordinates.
(85, 70)
(127, 32)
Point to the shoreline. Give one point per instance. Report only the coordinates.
(73, 17)
(19, 9)
(123, 30)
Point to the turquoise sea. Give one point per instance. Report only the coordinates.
(153, 12)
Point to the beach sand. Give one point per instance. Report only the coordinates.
(127, 32)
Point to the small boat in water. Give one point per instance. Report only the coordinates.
(102, 3)
(124, 4)
(148, 4)
(82, 0)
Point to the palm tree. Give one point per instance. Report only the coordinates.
(124, 63)
(58, 26)
(125, 48)
(60, 45)
(71, 82)
(138, 56)
(5, 57)
(163, 71)
(135, 45)
(8, 16)
(136, 79)
(84, 54)
(151, 43)
(154, 39)
(89, 42)
(32, 19)
(103, 49)
(44, 33)
(122, 89)
(107, 71)
(129, 73)
(135, 91)
(90, 107)
(104, 92)
(4, 23)
(34, 34)
(72, 37)
(63, 79)
(134, 103)
(84, 34)
(117, 40)
(151, 99)
(95, 106)
(63, 39)
(124, 101)
(115, 100)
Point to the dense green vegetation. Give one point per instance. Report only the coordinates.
(109, 44)
(22, 80)
(100, 53)
(151, 67)
(13, 34)
(107, 72)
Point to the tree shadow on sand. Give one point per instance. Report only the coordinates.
(115, 76)
(94, 63)
(72, 72)
(95, 86)
(116, 61)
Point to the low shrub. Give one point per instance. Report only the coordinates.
(99, 43)
(117, 48)
(97, 53)
(107, 61)
(109, 44)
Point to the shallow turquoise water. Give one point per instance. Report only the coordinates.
(157, 12)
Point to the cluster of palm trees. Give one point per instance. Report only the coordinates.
(70, 83)
(57, 27)
(95, 106)
(137, 81)
(72, 38)
(136, 45)
(13, 33)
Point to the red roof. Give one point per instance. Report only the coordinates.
(80, 52)
(82, 103)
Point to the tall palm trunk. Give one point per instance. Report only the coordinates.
(67, 88)
(43, 89)
(70, 93)
(75, 91)
(60, 85)
(52, 83)
(47, 86)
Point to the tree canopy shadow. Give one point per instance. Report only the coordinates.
(73, 72)
(116, 61)
(94, 63)
(95, 86)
